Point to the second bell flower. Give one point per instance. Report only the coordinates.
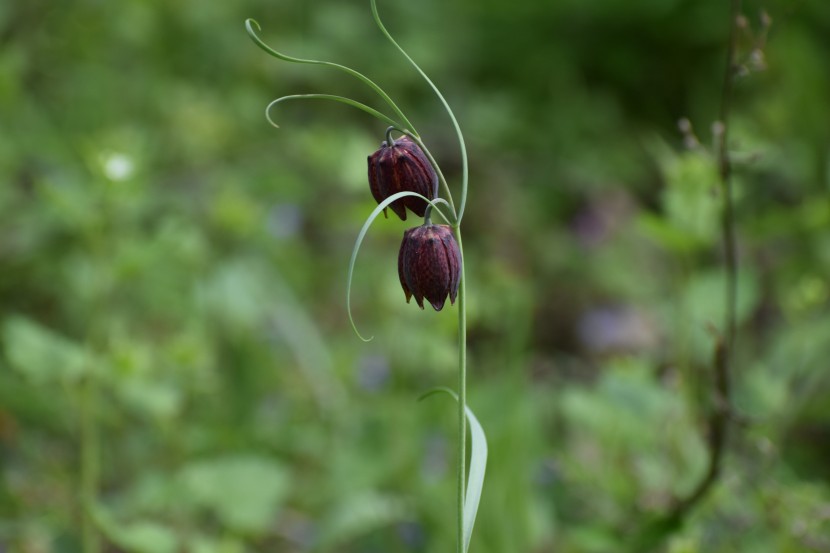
(429, 265)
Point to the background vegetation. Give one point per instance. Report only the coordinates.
(175, 357)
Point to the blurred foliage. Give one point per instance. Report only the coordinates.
(173, 269)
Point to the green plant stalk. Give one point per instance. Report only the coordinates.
(462, 389)
(407, 128)
(437, 168)
(90, 468)
(456, 126)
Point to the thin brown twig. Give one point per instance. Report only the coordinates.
(721, 414)
(723, 362)
(725, 169)
(719, 419)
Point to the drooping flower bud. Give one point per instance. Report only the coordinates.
(402, 166)
(429, 265)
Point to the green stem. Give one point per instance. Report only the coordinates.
(456, 126)
(417, 139)
(462, 391)
(390, 141)
(441, 177)
(90, 468)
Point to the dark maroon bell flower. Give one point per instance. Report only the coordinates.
(401, 167)
(429, 265)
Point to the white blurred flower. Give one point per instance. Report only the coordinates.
(118, 167)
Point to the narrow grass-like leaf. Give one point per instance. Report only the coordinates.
(249, 26)
(377, 211)
(475, 478)
(371, 111)
(478, 465)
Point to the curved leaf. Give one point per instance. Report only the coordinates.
(475, 478)
(478, 466)
(371, 111)
(249, 27)
(381, 206)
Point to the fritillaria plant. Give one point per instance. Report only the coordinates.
(403, 175)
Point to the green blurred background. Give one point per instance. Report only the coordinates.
(175, 356)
